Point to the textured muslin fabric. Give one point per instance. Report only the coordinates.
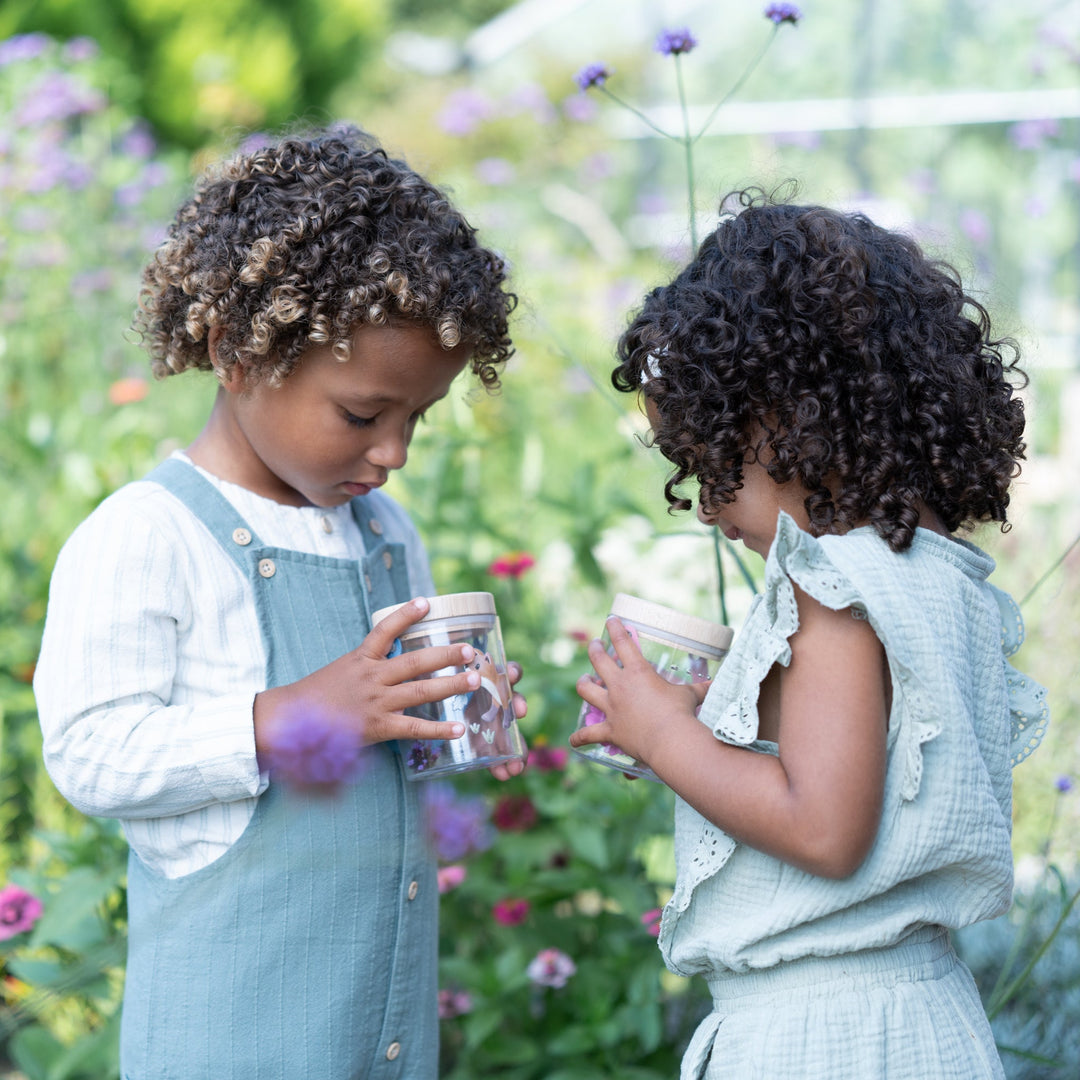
(145, 704)
(961, 716)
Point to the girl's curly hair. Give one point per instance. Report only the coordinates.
(839, 355)
(296, 244)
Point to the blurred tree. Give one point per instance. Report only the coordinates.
(196, 67)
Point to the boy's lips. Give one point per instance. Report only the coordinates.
(362, 489)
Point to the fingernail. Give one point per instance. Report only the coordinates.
(473, 678)
(420, 603)
(467, 653)
(456, 731)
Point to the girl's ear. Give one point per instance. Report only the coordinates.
(233, 382)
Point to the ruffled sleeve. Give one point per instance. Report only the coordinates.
(1028, 708)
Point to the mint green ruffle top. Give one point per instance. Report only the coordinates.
(961, 717)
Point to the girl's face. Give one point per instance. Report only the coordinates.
(333, 430)
(751, 516)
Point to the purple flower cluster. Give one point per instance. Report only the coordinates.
(593, 75)
(456, 826)
(311, 750)
(782, 13)
(674, 42)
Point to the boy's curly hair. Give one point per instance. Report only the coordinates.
(296, 244)
(839, 355)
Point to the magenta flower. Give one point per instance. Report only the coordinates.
(782, 13)
(674, 42)
(514, 564)
(450, 877)
(511, 911)
(19, 910)
(514, 813)
(550, 967)
(454, 1003)
(651, 921)
(593, 75)
(548, 758)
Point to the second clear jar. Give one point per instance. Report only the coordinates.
(682, 649)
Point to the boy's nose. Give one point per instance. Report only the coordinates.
(389, 453)
(705, 519)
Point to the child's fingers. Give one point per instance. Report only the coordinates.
(411, 695)
(592, 692)
(380, 639)
(593, 733)
(505, 770)
(626, 648)
(419, 662)
(411, 727)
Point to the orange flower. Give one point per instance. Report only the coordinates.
(128, 391)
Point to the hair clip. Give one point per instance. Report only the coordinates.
(651, 369)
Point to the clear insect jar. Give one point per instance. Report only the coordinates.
(491, 730)
(682, 649)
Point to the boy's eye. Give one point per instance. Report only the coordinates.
(357, 421)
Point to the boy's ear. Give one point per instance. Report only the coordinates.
(234, 380)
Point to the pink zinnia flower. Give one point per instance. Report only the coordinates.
(550, 967)
(514, 813)
(450, 877)
(454, 1003)
(548, 758)
(512, 565)
(19, 910)
(511, 912)
(651, 921)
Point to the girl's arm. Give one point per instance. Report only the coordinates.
(817, 804)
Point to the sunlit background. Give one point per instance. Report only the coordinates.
(954, 120)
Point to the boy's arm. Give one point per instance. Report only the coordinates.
(113, 743)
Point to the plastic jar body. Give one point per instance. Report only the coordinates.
(487, 713)
(681, 649)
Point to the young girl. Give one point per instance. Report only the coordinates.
(213, 620)
(844, 793)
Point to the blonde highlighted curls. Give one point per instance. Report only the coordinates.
(298, 243)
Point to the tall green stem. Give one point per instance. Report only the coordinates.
(738, 82)
(688, 152)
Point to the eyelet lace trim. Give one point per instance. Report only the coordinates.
(1028, 708)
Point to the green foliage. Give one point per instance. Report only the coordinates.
(552, 465)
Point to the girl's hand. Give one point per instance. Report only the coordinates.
(639, 706)
(368, 692)
(507, 769)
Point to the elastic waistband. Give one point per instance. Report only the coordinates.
(926, 953)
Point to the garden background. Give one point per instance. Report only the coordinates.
(953, 119)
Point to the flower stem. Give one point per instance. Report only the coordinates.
(688, 151)
(637, 112)
(739, 82)
(1034, 588)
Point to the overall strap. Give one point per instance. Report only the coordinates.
(209, 506)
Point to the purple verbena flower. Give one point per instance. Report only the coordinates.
(782, 13)
(19, 910)
(456, 826)
(312, 750)
(674, 42)
(1064, 784)
(551, 967)
(23, 47)
(454, 1003)
(422, 755)
(593, 75)
(464, 111)
(1032, 134)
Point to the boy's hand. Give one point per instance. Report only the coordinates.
(369, 692)
(507, 769)
(638, 705)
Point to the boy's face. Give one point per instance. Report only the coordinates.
(335, 430)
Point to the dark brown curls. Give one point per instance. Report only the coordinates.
(844, 358)
(297, 243)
